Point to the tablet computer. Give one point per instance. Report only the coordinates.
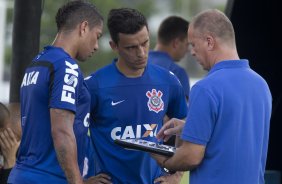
(147, 146)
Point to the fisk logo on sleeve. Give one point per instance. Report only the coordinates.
(70, 80)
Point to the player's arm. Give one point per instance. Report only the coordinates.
(65, 143)
(172, 140)
(187, 157)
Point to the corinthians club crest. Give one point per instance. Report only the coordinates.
(155, 102)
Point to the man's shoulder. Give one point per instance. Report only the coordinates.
(160, 58)
(164, 74)
(101, 76)
(158, 69)
(104, 71)
(52, 54)
(177, 68)
(54, 58)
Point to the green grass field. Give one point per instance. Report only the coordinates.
(184, 179)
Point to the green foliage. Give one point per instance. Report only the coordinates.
(100, 59)
(8, 55)
(9, 15)
(48, 25)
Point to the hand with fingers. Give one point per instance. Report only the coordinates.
(172, 127)
(9, 146)
(170, 179)
(99, 179)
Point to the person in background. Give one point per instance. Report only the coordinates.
(129, 99)
(8, 145)
(225, 137)
(171, 47)
(55, 102)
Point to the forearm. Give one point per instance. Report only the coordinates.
(173, 164)
(9, 162)
(65, 144)
(186, 158)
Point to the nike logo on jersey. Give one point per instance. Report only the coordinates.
(115, 103)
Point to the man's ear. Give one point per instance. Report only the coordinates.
(113, 45)
(175, 43)
(83, 27)
(210, 42)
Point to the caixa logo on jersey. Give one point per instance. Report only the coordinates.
(155, 102)
(132, 132)
(86, 120)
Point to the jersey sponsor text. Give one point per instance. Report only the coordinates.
(30, 78)
(128, 132)
(71, 81)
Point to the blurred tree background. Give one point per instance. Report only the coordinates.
(154, 10)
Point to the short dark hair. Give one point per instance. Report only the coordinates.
(126, 21)
(172, 27)
(74, 12)
(4, 114)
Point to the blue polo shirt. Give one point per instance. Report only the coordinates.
(229, 113)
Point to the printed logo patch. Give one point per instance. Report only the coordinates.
(116, 103)
(155, 102)
(135, 131)
(70, 83)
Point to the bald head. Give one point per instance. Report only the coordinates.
(216, 23)
(212, 39)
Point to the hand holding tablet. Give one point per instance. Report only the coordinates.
(147, 146)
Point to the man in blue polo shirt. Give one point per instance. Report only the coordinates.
(225, 137)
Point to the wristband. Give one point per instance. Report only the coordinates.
(163, 164)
